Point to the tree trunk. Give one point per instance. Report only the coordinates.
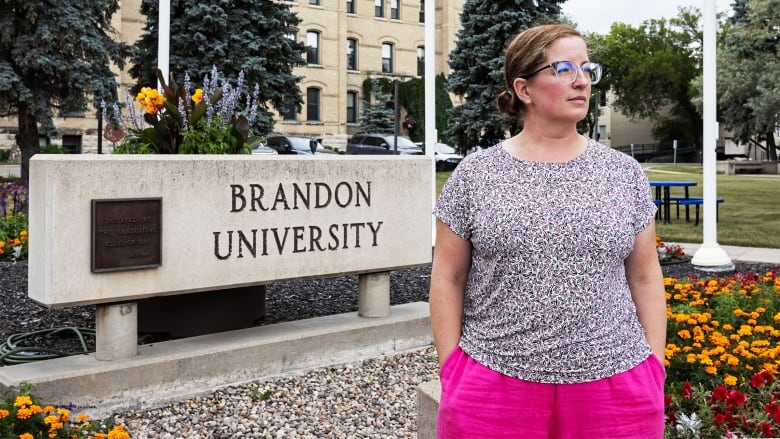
(28, 141)
(771, 147)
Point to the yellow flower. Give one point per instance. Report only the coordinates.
(730, 380)
(64, 414)
(118, 432)
(51, 419)
(150, 99)
(712, 370)
(197, 96)
(26, 436)
(81, 417)
(684, 334)
(23, 400)
(23, 413)
(4, 413)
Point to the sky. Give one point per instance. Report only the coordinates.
(598, 16)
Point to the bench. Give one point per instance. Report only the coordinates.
(695, 202)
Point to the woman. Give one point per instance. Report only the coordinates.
(547, 301)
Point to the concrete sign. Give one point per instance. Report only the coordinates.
(227, 221)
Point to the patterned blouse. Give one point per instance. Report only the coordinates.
(547, 298)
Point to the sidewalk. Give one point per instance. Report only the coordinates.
(741, 254)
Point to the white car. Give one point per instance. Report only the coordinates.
(447, 158)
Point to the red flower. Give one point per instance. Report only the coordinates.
(757, 380)
(773, 409)
(687, 392)
(766, 429)
(736, 398)
(719, 394)
(667, 400)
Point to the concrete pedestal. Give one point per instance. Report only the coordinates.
(116, 331)
(374, 294)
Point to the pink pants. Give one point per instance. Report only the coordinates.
(477, 402)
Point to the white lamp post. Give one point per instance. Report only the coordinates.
(710, 257)
(163, 38)
(431, 135)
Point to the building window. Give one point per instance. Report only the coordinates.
(289, 110)
(312, 47)
(422, 11)
(352, 46)
(314, 2)
(602, 132)
(387, 58)
(395, 11)
(420, 60)
(352, 107)
(379, 8)
(312, 104)
(350, 6)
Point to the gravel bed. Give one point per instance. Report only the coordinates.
(371, 399)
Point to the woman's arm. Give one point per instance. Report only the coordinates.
(646, 281)
(451, 264)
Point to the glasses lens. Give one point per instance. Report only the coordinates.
(566, 71)
(593, 71)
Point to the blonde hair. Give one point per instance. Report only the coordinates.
(523, 54)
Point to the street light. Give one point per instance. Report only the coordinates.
(710, 256)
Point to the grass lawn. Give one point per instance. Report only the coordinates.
(748, 217)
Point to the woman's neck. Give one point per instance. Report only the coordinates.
(547, 146)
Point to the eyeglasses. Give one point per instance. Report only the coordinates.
(566, 71)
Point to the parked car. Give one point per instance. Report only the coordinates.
(447, 158)
(381, 144)
(259, 148)
(299, 145)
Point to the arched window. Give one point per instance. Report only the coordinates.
(352, 51)
(387, 58)
(313, 47)
(312, 104)
(420, 60)
(352, 107)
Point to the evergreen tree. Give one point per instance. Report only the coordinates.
(249, 36)
(478, 65)
(377, 115)
(651, 68)
(54, 58)
(748, 82)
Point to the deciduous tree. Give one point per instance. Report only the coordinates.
(748, 79)
(650, 69)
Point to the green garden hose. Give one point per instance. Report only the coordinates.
(12, 352)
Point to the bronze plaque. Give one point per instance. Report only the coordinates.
(126, 234)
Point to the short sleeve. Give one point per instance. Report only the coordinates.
(644, 207)
(454, 204)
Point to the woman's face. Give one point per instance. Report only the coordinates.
(557, 100)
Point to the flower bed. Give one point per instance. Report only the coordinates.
(23, 416)
(13, 222)
(722, 356)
